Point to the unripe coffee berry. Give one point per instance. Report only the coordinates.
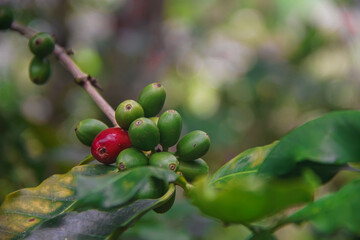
(42, 44)
(170, 126)
(109, 143)
(131, 158)
(193, 169)
(127, 112)
(152, 189)
(144, 134)
(6, 17)
(193, 145)
(39, 70)
(152, 99)
(164, 160)
(87, 129)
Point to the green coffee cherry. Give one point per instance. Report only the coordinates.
(6, 17)
(131, 158)
(154, 188)
(193, 169)
(193, 145)
(42, 44)
(155, 120)
(167, 205)
(39, 70)
(127, 112)
(152, 99)
(144, 134)
(164, 160)
(170, 125)
(87, 129)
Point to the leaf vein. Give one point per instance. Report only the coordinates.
(27, 214)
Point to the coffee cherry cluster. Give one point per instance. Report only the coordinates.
(144, 138)
(152, 136)
(41, 45)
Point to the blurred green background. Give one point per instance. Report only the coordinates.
(246, 72)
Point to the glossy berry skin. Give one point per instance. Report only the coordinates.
(6, 17)
(109, 143)
(164, 160)
(39, 70)
(144, 134)
(170, 126)
(152, 99)
(86, 130)
(193, 145)
(154, 188)
(127, 112)
(131, 158)
(41, 44)
(193, 169)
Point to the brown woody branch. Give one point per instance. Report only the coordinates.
(84, 80)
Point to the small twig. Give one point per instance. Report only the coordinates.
(80, 77)
(69, 51)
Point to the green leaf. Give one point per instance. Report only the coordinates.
(340, 210)
(246, 162)
(332, 141)
(25, 209)
(117, 189)
(247, 198)
(95, 224)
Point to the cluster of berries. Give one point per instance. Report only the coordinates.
(144, 139)
(41, 45)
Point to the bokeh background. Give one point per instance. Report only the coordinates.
(246, 72)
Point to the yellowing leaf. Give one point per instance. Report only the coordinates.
(246, 162)
(25, 209)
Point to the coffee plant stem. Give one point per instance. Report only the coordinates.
(181, 181)
(279, 224)
(81, 78)
(251, 228)
(89, 158)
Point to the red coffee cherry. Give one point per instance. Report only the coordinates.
(109, 143)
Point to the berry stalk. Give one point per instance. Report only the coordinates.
(81, 78)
